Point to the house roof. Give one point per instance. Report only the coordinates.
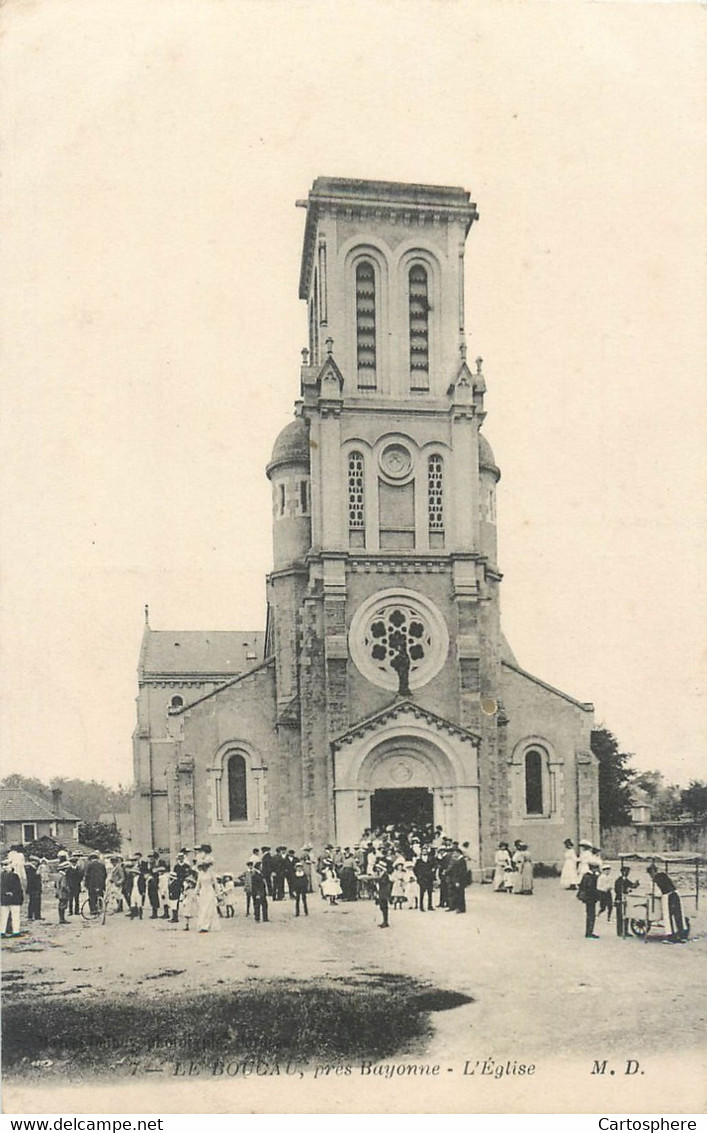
(17, 805)
(213, 652)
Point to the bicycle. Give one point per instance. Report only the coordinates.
(98, 912)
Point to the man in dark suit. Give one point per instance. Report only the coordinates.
(587, 893)
(95, 880)
(73, 882)
(267, 869)
(424, 870)
(259, 893)
(34, 890)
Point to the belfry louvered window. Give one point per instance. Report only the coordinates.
(357, 521)
(435, 500)
(366, 325)
(419, 328)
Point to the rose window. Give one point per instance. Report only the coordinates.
(398, 642)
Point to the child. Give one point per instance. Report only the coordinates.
(189, 902)
(220, 896)
(411, 886)
(604, 891)
(246, 879)
(331, 887)
(229, 895)
(397, 895)
(300, 885)
(163, 893)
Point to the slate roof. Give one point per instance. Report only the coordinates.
(17, 805)
(216, 652)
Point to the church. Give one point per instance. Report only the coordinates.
(381, 688)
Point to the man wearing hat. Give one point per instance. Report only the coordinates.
(34, 889)
(11, 898)
(587, 893)
(73, 881)
(622, 887)
(259, 893)
(61, 889)
(95, 880)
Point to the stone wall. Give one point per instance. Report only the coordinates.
(655, 837)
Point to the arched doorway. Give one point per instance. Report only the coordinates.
(406, 766)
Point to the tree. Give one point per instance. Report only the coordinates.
(102, 836)
(614, 779)
(693, 798)
(664, 797)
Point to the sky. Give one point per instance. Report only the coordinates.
(152, 332)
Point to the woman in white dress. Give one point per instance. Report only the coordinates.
(502, 863)
(568, 877)
(206, 902)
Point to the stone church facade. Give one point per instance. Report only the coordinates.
(382, 688)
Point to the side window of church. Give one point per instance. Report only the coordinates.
(534, 783)
(418, 307)
(356, 501)
(366, 325)
(435, 501)
(237, 789)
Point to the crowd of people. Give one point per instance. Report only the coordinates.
(403, 867)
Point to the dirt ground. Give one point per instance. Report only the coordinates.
(542, 995)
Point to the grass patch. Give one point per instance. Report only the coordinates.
(370, 1017)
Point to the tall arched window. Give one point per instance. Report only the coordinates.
(366, 325)
(237, 789)
(435, 500)
(418, 307)
(534, 782)
(357, 522)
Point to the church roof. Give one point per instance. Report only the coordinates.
(267, 663)
(403, 708)
(584, 705)
(18, 805)
(291, 445)
(216, 652)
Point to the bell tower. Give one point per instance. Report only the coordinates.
(401, 601)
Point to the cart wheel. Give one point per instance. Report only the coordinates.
(639, 927)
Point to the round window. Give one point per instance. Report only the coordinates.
(398, 640)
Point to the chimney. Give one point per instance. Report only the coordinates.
(56, 798)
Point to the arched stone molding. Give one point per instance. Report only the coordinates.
(552, 768)
(256, 793)
(402, 753)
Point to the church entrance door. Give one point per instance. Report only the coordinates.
(401, 806)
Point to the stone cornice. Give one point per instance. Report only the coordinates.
(389, 201)
(394, 712)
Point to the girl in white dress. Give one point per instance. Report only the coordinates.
(568, 877)
(331, 887)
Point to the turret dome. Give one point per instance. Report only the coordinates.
(291, 446)
(486, 457)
